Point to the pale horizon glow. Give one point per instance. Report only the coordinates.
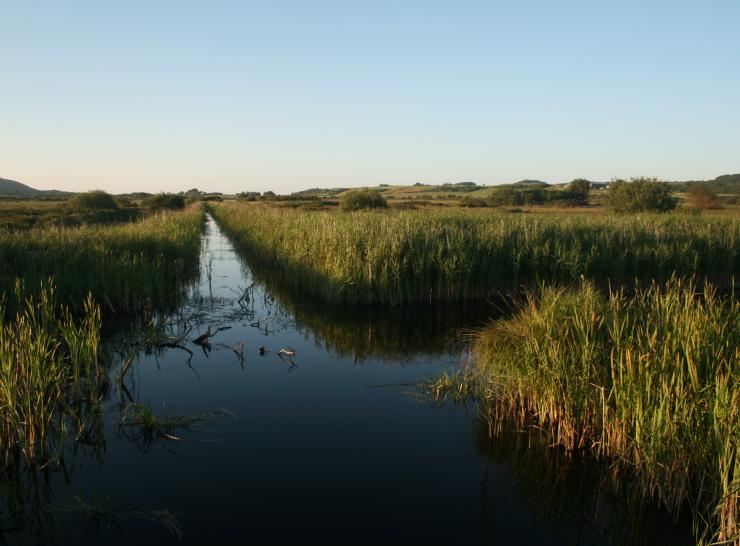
(285, 96)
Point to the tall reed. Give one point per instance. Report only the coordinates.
(48, 366)
(410, 256)
(126, 267)
(649, 381)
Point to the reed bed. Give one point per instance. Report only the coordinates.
(48, 370)
(397, 257)
(648, 381)
(125, 267)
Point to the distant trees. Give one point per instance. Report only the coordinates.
(579, 190)
(248, 195)
(362, 199)
(702, 196)
(165, 201)
(511, 196)
(640, 195)
(95, 200)
(471, 202)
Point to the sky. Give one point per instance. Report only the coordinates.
(275, 95)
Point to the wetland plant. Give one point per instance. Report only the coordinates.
(126, 267)
(647, 381)
(398, 257)
(48, 369)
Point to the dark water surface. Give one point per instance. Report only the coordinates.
(334, 445)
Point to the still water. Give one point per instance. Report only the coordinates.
(334, 444)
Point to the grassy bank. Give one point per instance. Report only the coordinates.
(649, 382)
(126, 267)
(411, 256)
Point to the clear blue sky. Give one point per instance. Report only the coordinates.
(233, 96)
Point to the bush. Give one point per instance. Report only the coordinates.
(578, 191)
(640, 195)
(93, 201)
(702, 196)
(165, 201)
(504, 195)
(468, 201)
(511, 196)
(362, 199)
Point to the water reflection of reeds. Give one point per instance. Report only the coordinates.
(580, 500)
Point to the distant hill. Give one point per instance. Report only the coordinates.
(725, 184)
(12, 188)
(535, 183)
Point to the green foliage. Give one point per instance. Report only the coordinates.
(472, 202)
(517, 196)
(95, 200)
(458, 187)
(579, 190)
(48, 368)
(427, 255)
(362, 199)
(165, 201)
(703, 196)
(649, 382)
(504, 196)
(127, 267)
(248, 195)
(640, 195)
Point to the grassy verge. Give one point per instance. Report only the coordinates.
(648, 381)
(126, 267)
(412, 256)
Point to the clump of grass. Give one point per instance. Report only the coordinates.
(97, 512)
(649, 381)
(397, 257)
(139, 424)
(48, 366)
(125, 267)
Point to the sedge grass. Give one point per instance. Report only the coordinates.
(397, 257)
(126, 267)
(647, 381)
(48, 367)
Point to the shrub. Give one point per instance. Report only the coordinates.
(640, 195)
(165, 201)
(468, 201)
(504, 195)
(362, 199)
(509, 195)
(93, 200)
(578, 191)
(702, 196)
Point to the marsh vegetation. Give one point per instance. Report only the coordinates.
(425, 256)
(126, 267)
(647, 381)
(610, 340)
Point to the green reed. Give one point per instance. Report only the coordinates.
(126, 267)
(648, 381)
(48, 370)
(397, 257)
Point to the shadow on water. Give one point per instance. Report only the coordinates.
(245, 415)
(580, 500)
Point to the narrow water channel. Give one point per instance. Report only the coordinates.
(332, 445)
